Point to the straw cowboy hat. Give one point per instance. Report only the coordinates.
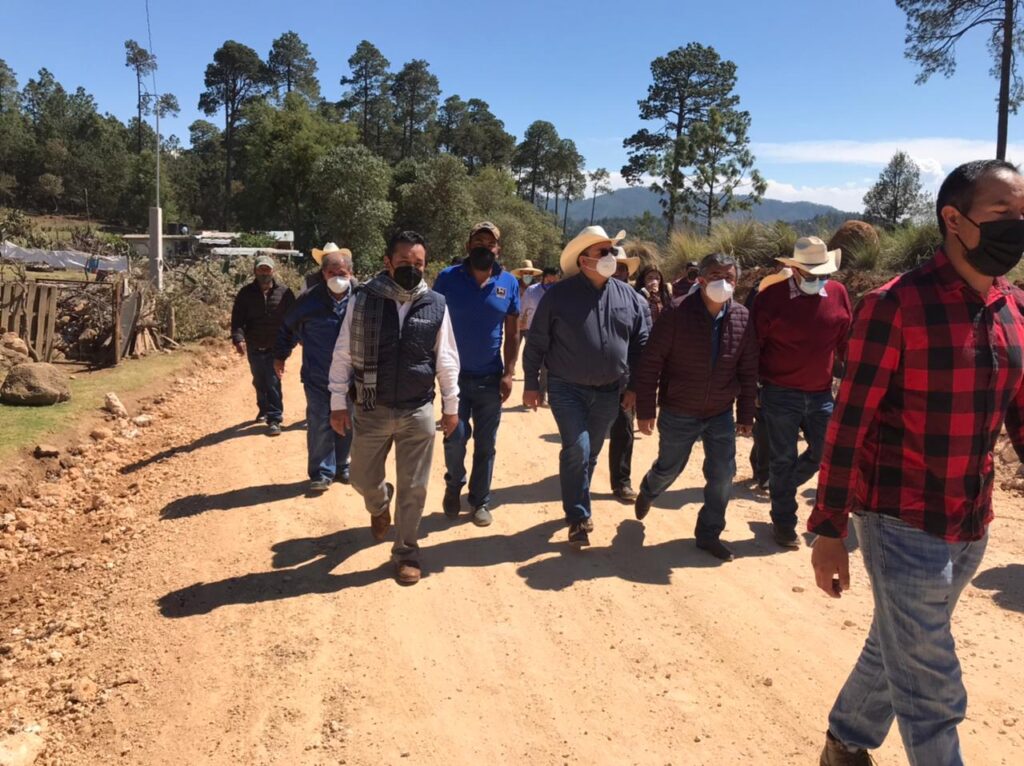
(592, 235)
(529, 268)
(631, 263)
(811, 255)
(330, 247)
(772, 279)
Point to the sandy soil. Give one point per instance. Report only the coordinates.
(253, 624)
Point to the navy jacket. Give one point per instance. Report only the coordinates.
(315, 321)
(256, 318)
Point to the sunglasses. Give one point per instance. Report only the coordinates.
(603, 252)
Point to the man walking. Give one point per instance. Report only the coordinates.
(589, 330)
(256, 318)
(702, 358)
(620, 436)
(395, 340)
(315, 321)
(934, 367)
(483, 301)
(801, 325)
(531, 299)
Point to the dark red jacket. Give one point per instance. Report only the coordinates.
(676, 364)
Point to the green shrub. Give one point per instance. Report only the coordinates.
(905, 247)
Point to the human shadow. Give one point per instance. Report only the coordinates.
(1008, 582)
(546, 490)
(245, 428)
(193, 505)
(304, 566)
(551, 438)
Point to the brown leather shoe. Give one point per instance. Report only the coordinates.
(407, 572)
(836, 754)
(381, 523)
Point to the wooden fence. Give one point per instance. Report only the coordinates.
(30, 310)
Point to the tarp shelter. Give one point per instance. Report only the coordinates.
(61, 259)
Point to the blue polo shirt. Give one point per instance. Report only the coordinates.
(478, 315)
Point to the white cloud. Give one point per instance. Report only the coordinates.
(848, 197)
(935, 156)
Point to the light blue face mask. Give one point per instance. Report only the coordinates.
(813, 286)
(527, 278)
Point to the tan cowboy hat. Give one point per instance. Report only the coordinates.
(330, 247)
(529, 268)
(631, 263)
(592, 235)
(772, 279)
(810, 254)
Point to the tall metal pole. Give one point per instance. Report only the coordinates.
(156, 215)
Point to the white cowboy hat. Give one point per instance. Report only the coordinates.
(810, 254)
(592, 235)
(632, 263)
(529, 268)
(330, 247)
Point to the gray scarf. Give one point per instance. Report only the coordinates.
(366, 324)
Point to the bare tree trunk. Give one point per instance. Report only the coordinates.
(1005, 65)
(138, 103)
(593, 204)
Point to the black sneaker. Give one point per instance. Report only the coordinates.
(787, 538)
(343, 476)
(261, 418)
(578, 534)
(482, 516)
(319, 485)
(451, 503)
(274, 429)
(642, 506)
(588, 524)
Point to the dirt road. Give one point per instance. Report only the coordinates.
(264, 627)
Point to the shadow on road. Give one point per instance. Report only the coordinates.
(1008, 582)
(246, 428)
(542, 491)
(243, 497)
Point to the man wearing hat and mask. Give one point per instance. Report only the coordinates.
(589, 330)
(315, 321)
(396, 339)
(526, 274)
(483, 301)
(620, 437)
(256, 318)
(801, 325)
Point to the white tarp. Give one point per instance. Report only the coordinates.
(61, 259)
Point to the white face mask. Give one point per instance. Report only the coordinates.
(719, 291)
(338, 285)
(606, 266)
(812, 286)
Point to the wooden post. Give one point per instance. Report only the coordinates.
(116, 336)
(171, 325)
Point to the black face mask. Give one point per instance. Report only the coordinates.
(999, 249)
(407, 277)
(481, 259)
(264, 279)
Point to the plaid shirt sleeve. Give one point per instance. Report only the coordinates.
(872, 356)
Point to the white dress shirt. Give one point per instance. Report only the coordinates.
(446, 360)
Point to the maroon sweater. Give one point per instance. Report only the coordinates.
(676, 364)
(801, 335)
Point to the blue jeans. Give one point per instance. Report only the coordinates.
(268, 386)
(908, 668)
(786, 412)
(479, 400)
(676, 436)
(584, 416)
(327, 452)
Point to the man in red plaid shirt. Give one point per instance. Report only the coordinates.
(934, 368)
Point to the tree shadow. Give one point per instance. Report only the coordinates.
(242, 497)
(1008, 582)
(245, 428)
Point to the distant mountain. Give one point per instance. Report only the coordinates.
(633, 202)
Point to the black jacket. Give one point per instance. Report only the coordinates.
(256, 317)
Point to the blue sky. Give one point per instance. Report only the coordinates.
(830, 93)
